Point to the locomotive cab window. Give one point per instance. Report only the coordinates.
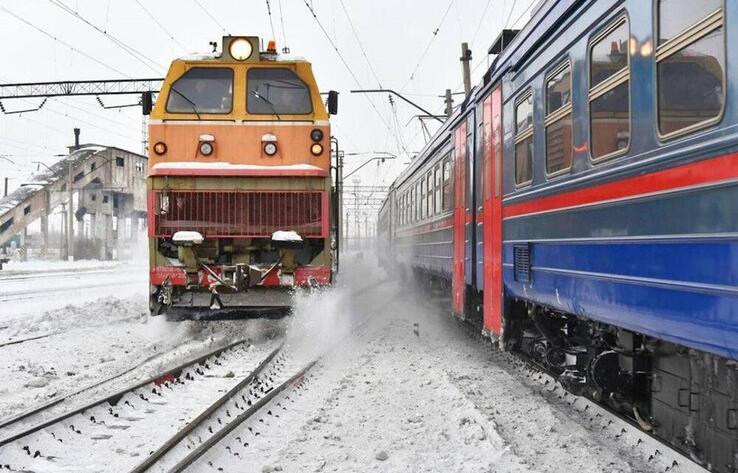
(609, 93)
(558, 120)
(202, 90)
(690, 62)
(274, 91)
(524, 139)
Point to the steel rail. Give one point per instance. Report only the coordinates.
(197, 421)
(107, 398)
(220, 434)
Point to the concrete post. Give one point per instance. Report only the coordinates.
(44, 235)
(70, 213)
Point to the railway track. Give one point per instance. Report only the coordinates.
(114, 427)
(597, 417)
(161, 425)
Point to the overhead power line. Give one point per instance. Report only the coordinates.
(271, 22)
(361, 45)
(138, 55)
(215, 20)
(427, 47)
(281, 21)
(153, 18)
(346, 65)
(64, 43)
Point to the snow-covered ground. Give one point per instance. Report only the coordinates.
(408, 391)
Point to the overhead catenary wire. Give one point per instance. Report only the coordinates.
(210, 15)
(138, 55)
(427, 47)
(271, 22)
(346, 65)
(361, 45)
(281, 22)
(64, 43)
(158, 23)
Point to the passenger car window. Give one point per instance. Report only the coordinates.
(558, 120)
(690, 65)
(609, 92)
(275, 91)
(448, 184)
(524, 139)
(675, 16)
(202, 90)
(438, 189)
(429, 193)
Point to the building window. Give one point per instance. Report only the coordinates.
(79, 176)
(93, 166)
(6, 225)
(120, 162)
(558, 120)
(609, 96)
(429, 193)
(105, 199)
(438, 192)
(524, 139)
(26, 210)
(139, 166)
(93, 197)
(690, 62)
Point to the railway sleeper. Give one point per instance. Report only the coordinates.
(685, 397)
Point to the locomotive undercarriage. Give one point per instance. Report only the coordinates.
(236, 277)
(683, 396)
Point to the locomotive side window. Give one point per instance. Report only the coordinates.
(524, 139)
(202, 90)
(690, 59)
(609, 94)
(448, 183)
(558, 120)
(273, 91)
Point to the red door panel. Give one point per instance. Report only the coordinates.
(492, 149)
(459, 229)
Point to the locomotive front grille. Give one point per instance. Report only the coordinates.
(239, 214)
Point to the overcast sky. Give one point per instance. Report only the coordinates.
(401, 52)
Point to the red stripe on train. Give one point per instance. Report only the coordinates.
(702, 172)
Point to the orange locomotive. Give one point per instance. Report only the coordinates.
(241, 201)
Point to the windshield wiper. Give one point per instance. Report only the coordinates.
(192, 104)
(266, 101)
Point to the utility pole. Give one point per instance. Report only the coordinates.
(5, 194)
(70, 197)
(449, 103)
(466, 56)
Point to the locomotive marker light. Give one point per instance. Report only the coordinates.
(160, 148)
(240, 49)
(316, 149)
(270, 144)
(206, 145)
(316, 134)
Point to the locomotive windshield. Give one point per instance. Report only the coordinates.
(277, 91)
(202, 90)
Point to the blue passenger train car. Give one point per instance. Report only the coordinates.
(592, 215)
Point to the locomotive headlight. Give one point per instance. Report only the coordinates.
(240, 49)
(270, 149)
(206, 149)
(160, 148)
(316, 149)
(316, 134)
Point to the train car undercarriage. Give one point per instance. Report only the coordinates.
(682, 396)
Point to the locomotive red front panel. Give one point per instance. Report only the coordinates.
(459, 231)
(492, 149)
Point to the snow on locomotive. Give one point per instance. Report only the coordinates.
(239, 186)
(581, 209)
